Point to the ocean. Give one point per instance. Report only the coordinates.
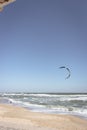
(54, 103)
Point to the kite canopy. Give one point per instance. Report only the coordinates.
(69, 73)
(5, 3)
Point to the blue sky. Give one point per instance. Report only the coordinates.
(39, 36)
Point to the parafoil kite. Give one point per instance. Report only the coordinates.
(5, 3)
(69, 73)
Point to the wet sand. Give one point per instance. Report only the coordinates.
(17, 118)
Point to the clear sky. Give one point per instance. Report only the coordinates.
(39, 36)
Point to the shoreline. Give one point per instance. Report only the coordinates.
(18, 118)
(66, 104)
(50, 113)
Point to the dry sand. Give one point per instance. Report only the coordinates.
(17, 118)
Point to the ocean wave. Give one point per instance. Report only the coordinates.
(51, 108)
(79, 98)
(75, 104)
(45, 95)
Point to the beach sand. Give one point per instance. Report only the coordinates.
(17, 118)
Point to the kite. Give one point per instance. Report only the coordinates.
(5, 3)
(63, 67)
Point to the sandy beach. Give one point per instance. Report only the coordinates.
(17, 118)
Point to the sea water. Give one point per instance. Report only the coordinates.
(57, 103)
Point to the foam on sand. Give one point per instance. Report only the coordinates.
(17, 118)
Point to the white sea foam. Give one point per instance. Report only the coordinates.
(42, 95)
(75, 104)
(84, 98)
